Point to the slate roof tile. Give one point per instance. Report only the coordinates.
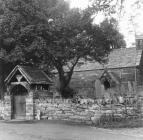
(118, 58)
(33, 75)
(36, 75)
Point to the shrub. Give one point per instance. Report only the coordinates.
(68, 93)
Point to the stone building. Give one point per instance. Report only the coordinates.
(24, 84)
(121, 75)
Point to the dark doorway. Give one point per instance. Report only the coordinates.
(106, 84)
(19, 102)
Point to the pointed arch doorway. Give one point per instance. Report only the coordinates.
(19, 93)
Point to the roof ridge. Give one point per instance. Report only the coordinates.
(117, 58)
(27, 76)
(123, 48)
(29, 67)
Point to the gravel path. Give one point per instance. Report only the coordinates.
(52, 130)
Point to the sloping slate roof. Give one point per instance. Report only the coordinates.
(32, 75)
(87, 75)
(118, 58)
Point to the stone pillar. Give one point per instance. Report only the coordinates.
(29, 106)
(7, 108)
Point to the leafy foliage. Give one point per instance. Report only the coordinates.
(46, 33)
(110, 28)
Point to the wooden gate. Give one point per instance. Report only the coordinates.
(19, 102)
(19, 107)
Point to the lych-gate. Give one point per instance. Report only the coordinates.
(23, 83)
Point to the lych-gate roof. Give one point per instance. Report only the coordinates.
(32, 75)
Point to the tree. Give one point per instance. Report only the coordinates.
(77, 38)
(53, 35)
(110, 27)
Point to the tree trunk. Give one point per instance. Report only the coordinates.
(64, 88)
(64, 80)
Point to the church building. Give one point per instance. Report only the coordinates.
(121, 75)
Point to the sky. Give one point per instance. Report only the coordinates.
(126, 26)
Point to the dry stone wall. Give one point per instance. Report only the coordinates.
(86, 111)
(5, 108)
(66, 110)
(1, 110)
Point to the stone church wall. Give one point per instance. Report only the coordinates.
(130, 82)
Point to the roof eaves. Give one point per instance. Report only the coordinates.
(42, 82)
(11, 74)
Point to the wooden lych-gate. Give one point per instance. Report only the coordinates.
(22, 85)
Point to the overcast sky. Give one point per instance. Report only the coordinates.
(127, 27)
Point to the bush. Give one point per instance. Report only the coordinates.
(68, 93)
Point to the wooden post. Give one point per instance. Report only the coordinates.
(135, 81)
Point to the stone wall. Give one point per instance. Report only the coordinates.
(1, 110)
(65, 110)
(29, 106)
(5, 108)
(85, 111)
